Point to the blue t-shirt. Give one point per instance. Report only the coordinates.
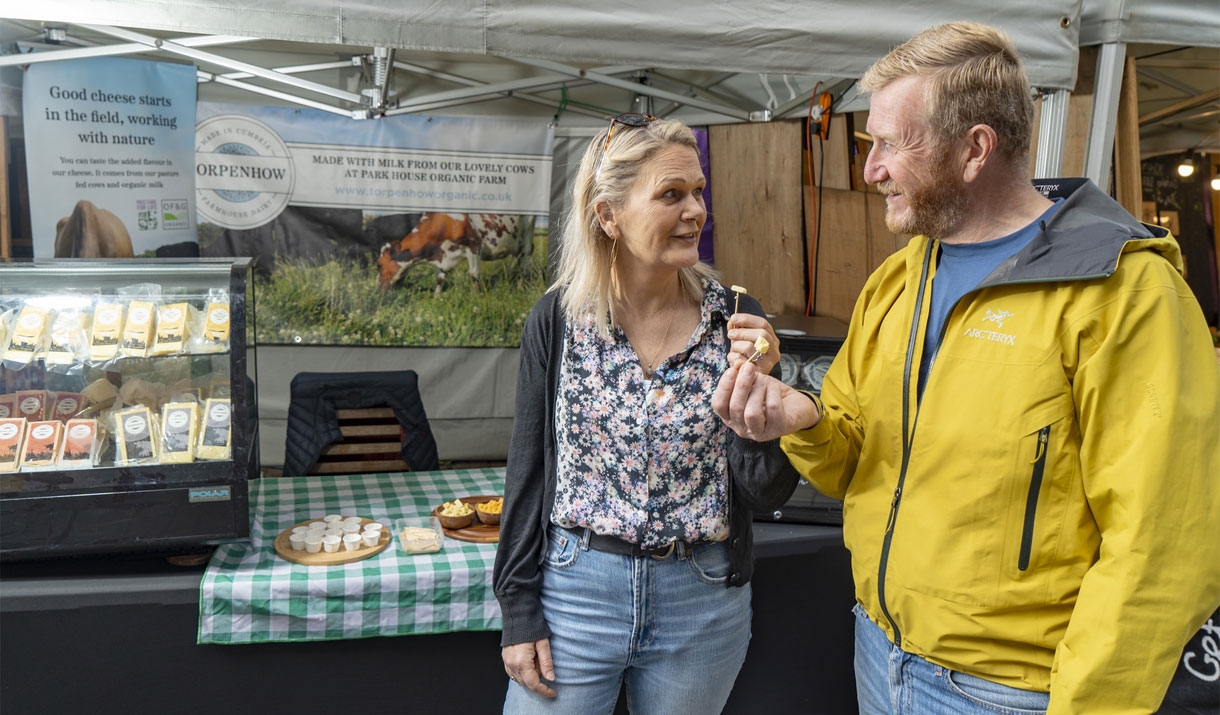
(961, 268)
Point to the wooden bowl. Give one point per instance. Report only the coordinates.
(487, 517)
(454, 522)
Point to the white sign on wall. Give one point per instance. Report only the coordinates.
(110, 143)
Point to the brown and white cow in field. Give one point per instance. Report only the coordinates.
(445, 239)
(91, 232)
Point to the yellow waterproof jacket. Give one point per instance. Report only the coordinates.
(1047, 516)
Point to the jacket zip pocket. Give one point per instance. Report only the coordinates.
(1031, 500)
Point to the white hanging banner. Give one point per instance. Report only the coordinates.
(253, 161)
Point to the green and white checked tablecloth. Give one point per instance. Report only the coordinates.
(251, 595)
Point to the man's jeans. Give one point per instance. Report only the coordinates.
(890, 681)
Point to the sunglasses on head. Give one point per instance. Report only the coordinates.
(627, 119)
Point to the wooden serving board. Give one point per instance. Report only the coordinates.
(477, 532)
(284, 548)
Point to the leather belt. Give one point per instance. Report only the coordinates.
(615, 545)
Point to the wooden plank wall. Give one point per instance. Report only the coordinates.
(756, 203)
(850, 239)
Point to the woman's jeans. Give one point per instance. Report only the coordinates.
(890, 681)
(669, 628)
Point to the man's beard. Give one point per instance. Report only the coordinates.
(936, 206)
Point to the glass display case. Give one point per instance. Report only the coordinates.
(128, 412)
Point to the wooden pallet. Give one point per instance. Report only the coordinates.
(371, 442)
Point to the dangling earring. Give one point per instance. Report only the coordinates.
(613, 254)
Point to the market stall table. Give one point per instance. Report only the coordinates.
(71, 615)
(251, 595)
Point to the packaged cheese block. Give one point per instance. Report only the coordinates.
(8, 406)
(133, 436)
(138, 331)
(28, 335)
(12, 439)
(69, 336)
(171, 329)
(80, 445)
(65, 406)
(179, 424)
(99, 394)
(216, 433)
(32, 404)
(107, 329)
(41, 444)
(216, 323)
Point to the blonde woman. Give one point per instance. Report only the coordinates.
(625, 545)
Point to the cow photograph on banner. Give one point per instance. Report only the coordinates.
(399, 231)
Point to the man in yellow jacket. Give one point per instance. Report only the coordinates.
(1024, 420)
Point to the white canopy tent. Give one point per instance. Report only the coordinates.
(719, 62)
(577, 62)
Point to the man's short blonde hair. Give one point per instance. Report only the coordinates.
(974, 77)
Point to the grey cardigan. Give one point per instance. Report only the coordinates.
(762, 479)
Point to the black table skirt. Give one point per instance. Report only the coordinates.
(118, 636)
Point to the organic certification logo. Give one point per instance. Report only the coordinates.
(243, 172)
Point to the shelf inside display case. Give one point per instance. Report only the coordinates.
(128, 414)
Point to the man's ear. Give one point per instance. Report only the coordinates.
(980, 145)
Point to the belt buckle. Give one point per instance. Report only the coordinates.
(665, 554)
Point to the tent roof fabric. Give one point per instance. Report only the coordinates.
(823, 37)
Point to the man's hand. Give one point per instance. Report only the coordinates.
(758, 407)
(744, 331)
(528, 664)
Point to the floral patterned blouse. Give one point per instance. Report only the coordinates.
(644, 459)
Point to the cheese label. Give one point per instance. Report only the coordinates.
(107, 329)
(27, 335)
(214, 442)
(12, 439)
(171, 328)
(68, 328)
(134, 438)
(137, 334)
(41, 444)
(179, 422)
(80, 444)
(216, 325)
(66, 405)
(32, 404)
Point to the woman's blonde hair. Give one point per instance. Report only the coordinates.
(586, 253)
(974, 77)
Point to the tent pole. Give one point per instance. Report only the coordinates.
(1052, 129)
(1106, 87)
(560, 68)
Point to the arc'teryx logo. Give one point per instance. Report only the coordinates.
(997, 317)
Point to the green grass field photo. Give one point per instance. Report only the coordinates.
(339, 303)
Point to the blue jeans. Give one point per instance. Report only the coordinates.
(890, 681)
(669, 628)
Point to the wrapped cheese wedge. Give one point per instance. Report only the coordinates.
(41, 444)
(12, 441)
(80, 445)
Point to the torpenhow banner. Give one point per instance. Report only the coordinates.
(110, 170)
(407, 230)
